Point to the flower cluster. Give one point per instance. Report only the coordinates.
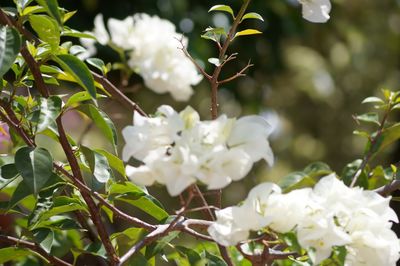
(331, 214)
(316, 10)
(152, 45)
(179, 149)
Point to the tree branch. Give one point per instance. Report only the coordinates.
(237, 75)
(12, 241)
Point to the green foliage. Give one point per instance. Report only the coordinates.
(10, 43)
(47, 29)
(35, 165)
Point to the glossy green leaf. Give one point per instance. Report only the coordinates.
(213, 34)
(247, 32)
(35, 166)
(76, 34)
(10, 44)
(79, 71)
(44, 237)
(133, 195)
(47, 29)
(252, 15)
(97, 63)
(101, 120)
(8, 171)
(115, 162)
(80, 97)
(98, 164)
(13, 253)
(59, 223)
(51, 7)
(223, 8)
(32, 10)
(50, 109)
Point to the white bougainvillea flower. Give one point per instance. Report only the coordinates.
(152, 45)
(316, 11)
(331, 214)
(178, 150)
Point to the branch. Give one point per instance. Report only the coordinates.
(92, 207)
(237, 75)
(117, 94)
(199, 68)
(12, 241)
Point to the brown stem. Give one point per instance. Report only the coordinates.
(93, 208)
(12, 241)
(117, 94)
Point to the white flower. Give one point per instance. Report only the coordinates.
(178, 149)
(121, 32)
(156, 57)
(329, 215)
(316, 10)
(250, 133)
(153, 50)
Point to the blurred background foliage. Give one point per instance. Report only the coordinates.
(308, 79)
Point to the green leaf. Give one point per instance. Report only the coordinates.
(194, 258)
(389, 136)
(115, 162)
(223, 8)
(133, 195)
(97, 63)
(21, 192)
(98, 164)
(10, 44)
(47, 29)
(76, 34)
(35, 166)
(213, 34)
(59, 223)
(51, 7)
(157, 247)
(247, 32)
(102, 121)
(80, 97)
(9, 171)
(252, 15)
(369, 118)
(79, 71)
(44, 237)
(296, 180)
(373, 100)
(214, 260)
(50, 109)
(13, 253)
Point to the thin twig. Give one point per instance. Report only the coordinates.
(237, 75)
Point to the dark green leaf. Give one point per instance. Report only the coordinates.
(51, 7)
(115, 162)
(194, 258)
(21, 192)
(296, 180)
(44, 237)
(389, 136)
(47, 29)
(35, 166)
(102, 121)
(9, 171)
(10, 44)
(214, 260)
(79, 71)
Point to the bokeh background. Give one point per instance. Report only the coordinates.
(308, 79)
